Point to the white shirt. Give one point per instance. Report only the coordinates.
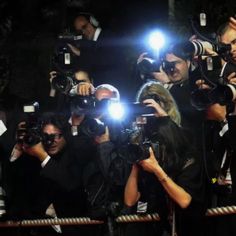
(97, 33)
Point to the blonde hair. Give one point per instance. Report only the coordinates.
(155, 88)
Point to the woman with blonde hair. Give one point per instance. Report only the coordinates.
(157, 90)
(170, 181)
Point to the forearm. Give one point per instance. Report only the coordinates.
(131, 195)
(177, 193)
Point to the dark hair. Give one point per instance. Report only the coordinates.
(174, 144)
(58, 120)
(180, 49)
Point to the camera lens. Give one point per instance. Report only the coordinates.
(62, 83)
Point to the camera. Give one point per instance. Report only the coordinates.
(63, 82)
(139, 152)
(92, 127)
(148, 65)
(135, 109)
(47, 139)
(222, 91)
(63, 58)
(198, 47)
(30, 134)
(137, 143)
(93, 108)
(89, 105)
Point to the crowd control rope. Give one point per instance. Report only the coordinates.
(218, 211)
(53, 221)
(78, 221)
(137, 218)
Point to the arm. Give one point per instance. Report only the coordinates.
(177, 193)
(132, 195)
(37, 151)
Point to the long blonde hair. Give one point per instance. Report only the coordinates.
(170, 106)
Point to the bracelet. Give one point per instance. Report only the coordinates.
(164, 179)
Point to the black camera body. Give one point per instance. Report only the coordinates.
(92, 127)
(148, 65)
(138, 143)
(30, 133)
(63, 58)
(64, 82)
(140, 152)
(221, 90)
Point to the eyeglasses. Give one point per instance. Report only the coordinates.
(53, 136)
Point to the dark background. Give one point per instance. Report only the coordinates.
(28, 29)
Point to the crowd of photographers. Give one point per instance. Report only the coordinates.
(172, 153)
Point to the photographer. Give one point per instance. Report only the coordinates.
(104, 55)
(177, 75)
(46, 173)
(173, 177)
(63, 86)
(106, 173)
(220, 145)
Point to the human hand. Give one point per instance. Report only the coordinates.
(52, 74)
(74, 49)
(232, 78)
(201, 84)
(210, 52)
(85, 89)
(216, 112)
(159, 110)
(151, 164)
(36, 150)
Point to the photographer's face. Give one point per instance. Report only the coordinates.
(229, 37)
(58, 142)
(181, 68)
(101, 94)
(82, 25)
